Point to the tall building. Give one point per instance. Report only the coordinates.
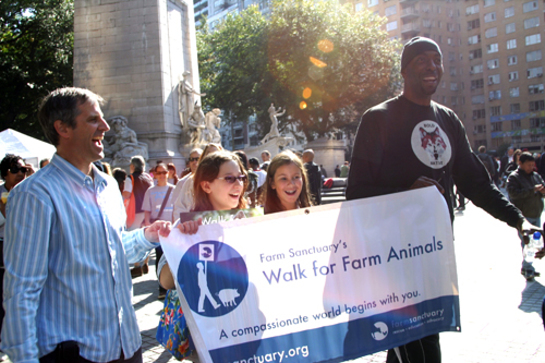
(492, 55)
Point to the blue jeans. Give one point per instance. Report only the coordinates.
(528, 265)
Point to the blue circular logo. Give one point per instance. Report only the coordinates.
(213, 278)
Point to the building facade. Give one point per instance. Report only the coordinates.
(493, 59)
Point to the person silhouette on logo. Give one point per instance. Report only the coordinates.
(203, 287)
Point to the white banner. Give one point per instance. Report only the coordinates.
(327, 283)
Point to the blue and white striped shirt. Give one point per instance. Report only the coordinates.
(67, 275)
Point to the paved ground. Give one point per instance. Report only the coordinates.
(500, 311)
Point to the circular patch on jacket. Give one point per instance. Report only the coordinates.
(431, 144)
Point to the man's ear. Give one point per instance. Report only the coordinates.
(205, 185)
(62, 129)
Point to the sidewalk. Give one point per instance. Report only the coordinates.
(500, 311)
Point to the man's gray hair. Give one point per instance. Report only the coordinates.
(62, 104)
(138, 163)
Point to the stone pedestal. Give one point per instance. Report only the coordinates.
(329, 153)
(133, 53)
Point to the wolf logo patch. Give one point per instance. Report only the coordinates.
(431, 144)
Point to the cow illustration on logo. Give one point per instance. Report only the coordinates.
(431, 145)
(213, 277)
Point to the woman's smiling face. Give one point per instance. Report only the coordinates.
(288, 183)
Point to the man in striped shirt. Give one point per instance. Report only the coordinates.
(67, 281)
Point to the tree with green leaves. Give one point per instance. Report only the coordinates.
(320, 60)
(36, 57)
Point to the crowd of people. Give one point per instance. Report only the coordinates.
(70, 298)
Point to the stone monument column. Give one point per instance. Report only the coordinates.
(134, 54)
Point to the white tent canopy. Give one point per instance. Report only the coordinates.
(27, 147)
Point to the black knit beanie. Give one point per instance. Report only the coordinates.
(416, 46)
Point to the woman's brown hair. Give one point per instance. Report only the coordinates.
(208, 170)
(269, 198)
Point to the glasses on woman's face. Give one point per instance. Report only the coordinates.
(231, 178)
(161, 172)
(193, 159)
(16, 169)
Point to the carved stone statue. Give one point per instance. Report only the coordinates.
(273, 114)
(185, 94)
(213, 122)
(196, 126)
(123, 145)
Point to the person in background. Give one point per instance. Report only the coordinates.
(107, 168)
(266, 157)
(172, 177)
(120, 175)
(43, 163)
(337, 172)
(13, 171)
(314, 176)
(345, 169)
(251, 190)
(192, 163)
(526, 191)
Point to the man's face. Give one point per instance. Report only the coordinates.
(510, 152)
(423, 74)
(194, 161)
(86, 137)
(264, 157)
(15, 174)
(528, 166)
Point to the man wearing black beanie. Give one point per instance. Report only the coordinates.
(412, 142)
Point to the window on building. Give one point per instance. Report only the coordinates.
(489, 17)
(531, 23)
(514, 107)
(494, 79)
(534, 72)
(510, 28)
(515, 125)
(474, 54)
(514, 92)
(477, 83)
(495, 111)
(479, 114)
(473, 24)
(474, 39)
(493, 63)
(479, 129)
(452, 71)
(511, 60)
(536, 122)
(537, 105)
(509, 12)
(478, 99)
(359, 7)
(390, 10)
(496, 126)
(489, 3)
(535, 89)
(476, 69)
(391, 26)
(533, 39)
(529, 6)
(491, 33)
(427, 23)
(453, 86)
(511, 44)
(453, 100)
(516, 139)
(534, 55)
(513, 76)
(474, 9)
(494, 95)
(492, 48)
